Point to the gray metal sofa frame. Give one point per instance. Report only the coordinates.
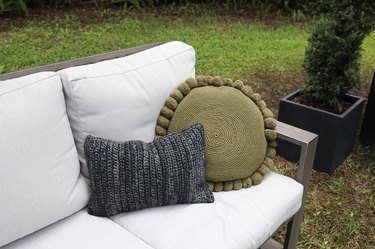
(305, 139)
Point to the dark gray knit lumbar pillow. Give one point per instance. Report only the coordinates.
(133, 175)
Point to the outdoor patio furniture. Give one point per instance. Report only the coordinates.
(45, 110)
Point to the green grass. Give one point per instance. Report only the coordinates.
(224, 47)
(235, 49)
(229, 48)
(340, 208)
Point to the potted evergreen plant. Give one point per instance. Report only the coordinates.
(332, 65)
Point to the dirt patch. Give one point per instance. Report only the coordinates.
(273, 87)
(89, 12)
(85, 14)
(304, 101)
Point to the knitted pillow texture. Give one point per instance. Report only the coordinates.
(239, 128)
(133, 175)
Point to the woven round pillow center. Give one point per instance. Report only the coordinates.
(239, 128)
(233, 124)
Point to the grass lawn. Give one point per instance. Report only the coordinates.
(267, 54)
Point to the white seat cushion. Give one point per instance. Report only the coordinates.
(80, 231)
(40, 180)
(120, 99)
(240, 219)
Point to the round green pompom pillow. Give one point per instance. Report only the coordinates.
(239, 129)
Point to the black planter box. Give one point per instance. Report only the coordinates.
(337, 133)
(367, 136)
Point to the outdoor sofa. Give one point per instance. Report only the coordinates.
(45, 113)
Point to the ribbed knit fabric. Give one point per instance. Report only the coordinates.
(133, 175)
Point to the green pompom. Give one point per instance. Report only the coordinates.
(256, 178)
(228, 185)
(163, 122)
(272, 144)
(247, 182)
(192, 83)
(271, 152)
(263, 170)
(261, 104)
(268, 162)
(256, 97)
(211, 185)
(184, 88)
(238, 84)
(228, 82)
(210, 80)
(201, 80)
(171, 103)
(247, 90)
(270, 123)
(160, 131)
(270, 134)
(217, 81)
(177, 95)
(237, 184)
(166, 112)
(267, 113)
(218, 186)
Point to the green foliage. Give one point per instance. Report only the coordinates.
(14, 6)
(297, 8)
(333, 53)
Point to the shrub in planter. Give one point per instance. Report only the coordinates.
(333, 53)
(332, 64)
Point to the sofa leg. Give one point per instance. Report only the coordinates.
(292, 231)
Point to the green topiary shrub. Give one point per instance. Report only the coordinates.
(333, 53)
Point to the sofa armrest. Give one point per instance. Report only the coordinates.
(308, 142)
(78, 62)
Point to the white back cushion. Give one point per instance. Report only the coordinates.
(121, 98)
(40, 181)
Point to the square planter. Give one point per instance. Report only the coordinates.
(337, 132)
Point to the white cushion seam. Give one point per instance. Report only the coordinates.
(146, 65)
(31, 84)
(132, 233)
(76, 110)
